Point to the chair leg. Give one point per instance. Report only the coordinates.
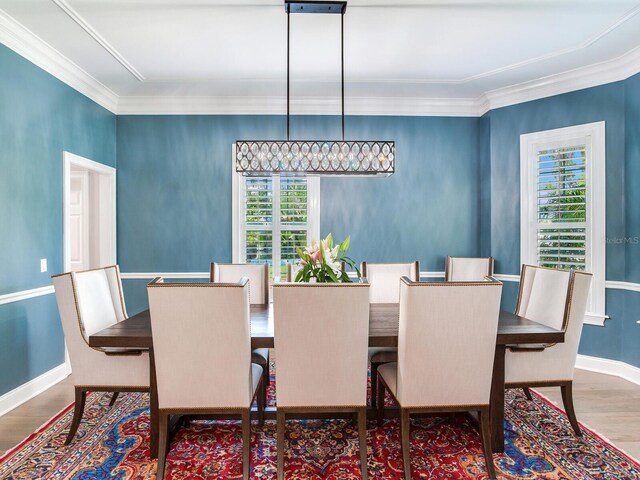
(567, 400)
(266, 374)
(261, 404)
(114, 397)
(362, 434)
(405, 441)
(527, 393)
(78, 410)
(485, 431)
(246, 444)
(163, 443)
(380, 403)
(374, 383)
(280, 433)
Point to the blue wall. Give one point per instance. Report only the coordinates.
(174, 189)
(40, 117)
(618, 104)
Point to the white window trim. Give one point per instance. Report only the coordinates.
(596, 205)
(237, 210)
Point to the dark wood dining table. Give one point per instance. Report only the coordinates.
(135, 332)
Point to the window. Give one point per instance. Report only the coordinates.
(563, 204)
(272, 216)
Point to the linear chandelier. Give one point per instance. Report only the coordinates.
(315, 157)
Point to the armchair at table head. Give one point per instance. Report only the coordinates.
(558, 299)
(89, 301)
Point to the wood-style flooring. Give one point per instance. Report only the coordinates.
(608, 405)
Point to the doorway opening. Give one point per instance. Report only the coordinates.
(89, 213)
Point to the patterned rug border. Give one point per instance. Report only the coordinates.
(593, 432)
(33, 434)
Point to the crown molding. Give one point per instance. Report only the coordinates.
(614, 70)
(37, 51)
(401, 106)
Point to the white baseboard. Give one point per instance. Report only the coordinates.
(27, 391)
(609, 367)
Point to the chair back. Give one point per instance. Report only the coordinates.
(321, 338)
(446, 342)
(467, 269)
(202, 343)
(384, 279)
(544, 295)
(89, 301)
(258, 275)
(292, 271)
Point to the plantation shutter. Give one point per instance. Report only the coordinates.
(258, 201)
(294, 218)
(562, 229)
(276, 220)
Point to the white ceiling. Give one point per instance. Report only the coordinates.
(410, 49)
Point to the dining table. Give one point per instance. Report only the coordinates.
(135, 332)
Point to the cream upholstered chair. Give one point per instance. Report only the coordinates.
(202, 350)
(292, 271)
(467, 269)
(258, 275)
(556, 298)
(446, 344)
(88, 302)
(384, 279)
(321, 337)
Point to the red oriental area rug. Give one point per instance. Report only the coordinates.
(113, 443)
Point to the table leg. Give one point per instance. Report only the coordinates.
(497, 400)
(153, 407)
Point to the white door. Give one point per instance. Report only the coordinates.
(79, 221)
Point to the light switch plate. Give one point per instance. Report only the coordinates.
(43, 265)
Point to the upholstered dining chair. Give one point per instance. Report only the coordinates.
(467, 269)
(384, 279)
(556, 298)
(292, 271)
(446, 344)
(321, 337)
(202, 351)
(258, 275)
(88, 302)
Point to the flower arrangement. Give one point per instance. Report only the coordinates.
(323, 262)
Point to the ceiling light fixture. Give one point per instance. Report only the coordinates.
(315, 157)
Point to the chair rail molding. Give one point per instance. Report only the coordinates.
(633, 287)
(25, 294)
(27, 391)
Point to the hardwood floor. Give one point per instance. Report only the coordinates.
(19, 423)
(608, 405)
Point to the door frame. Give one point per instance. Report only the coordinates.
(107, 201)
